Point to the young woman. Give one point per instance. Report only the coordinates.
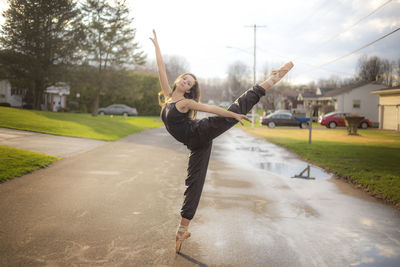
(178, 114)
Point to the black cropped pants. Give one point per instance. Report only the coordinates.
(203, 132)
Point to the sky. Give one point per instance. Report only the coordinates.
(211, 35)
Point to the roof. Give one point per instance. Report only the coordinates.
(345, 89)
(391, 90)
(328, 93)
(60, 88)
(324, 90)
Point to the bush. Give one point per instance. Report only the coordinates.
(27, 106)
(5, 104)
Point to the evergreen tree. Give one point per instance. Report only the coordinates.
(38, 39)
(109, 42)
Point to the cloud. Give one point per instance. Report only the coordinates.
(385, 251)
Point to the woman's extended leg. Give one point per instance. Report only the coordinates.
(211, 127)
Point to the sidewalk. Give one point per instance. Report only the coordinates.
(53, 145)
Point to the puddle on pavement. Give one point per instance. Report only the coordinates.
(378, 255)
(271, 158)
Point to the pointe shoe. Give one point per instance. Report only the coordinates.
(178, 243)
(182, 234)
(277, 75)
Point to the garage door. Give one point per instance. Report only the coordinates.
(390, 118)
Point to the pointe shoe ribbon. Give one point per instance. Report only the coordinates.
(277, 75)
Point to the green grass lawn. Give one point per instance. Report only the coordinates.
(75, 124)
(371, 160)
(16, 162)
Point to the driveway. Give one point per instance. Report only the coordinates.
(118, 205)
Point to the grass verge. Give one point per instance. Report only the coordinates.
(370, 161)
(74, 124)
(16, 162)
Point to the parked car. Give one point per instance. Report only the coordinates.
(118, 109)
(283, 119)
(335, 119)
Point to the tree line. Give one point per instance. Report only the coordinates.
(88, 44)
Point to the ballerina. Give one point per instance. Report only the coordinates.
(178, 113)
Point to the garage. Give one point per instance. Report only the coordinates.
(389, 108)
(389, 117)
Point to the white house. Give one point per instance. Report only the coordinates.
(358, 99)
(9, 95)
(389, 108)
(355, 98)
(55, 96)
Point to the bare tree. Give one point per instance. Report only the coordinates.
(150, 67)
(238, 79)
(271, 99)
(212, 89)
(396, 71)
(265, 71)
(175, 65)
(368, 68)
(333, 82)
(387, 72)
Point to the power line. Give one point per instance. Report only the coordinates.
(352, 52)
(303, 62)
(350, 27)
(364, 46)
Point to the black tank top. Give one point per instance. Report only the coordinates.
(178, 124)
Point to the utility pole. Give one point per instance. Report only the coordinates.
(253, 111)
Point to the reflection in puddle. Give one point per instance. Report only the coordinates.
(251, 148)
(378, 255)
(289, 170)
(275, 159)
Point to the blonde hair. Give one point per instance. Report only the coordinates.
(194, 94)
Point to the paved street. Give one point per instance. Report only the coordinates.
(117, 204)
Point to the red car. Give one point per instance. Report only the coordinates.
(334, 119)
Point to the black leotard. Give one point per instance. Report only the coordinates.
(178, 124)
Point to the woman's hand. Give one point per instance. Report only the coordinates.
(154, 39)
(240, 117)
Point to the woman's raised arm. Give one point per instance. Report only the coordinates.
(162, 72)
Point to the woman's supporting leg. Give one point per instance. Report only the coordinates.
(197, 171)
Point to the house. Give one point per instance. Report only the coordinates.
(55, 96)
(355, 98)
(9, 95)
(389, 108)
(315, 102)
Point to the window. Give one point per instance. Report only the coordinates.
(356, 103)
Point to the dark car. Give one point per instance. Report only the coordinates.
(335, 119)
(118, 109)
(283, 119)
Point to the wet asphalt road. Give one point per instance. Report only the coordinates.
(118, 205)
